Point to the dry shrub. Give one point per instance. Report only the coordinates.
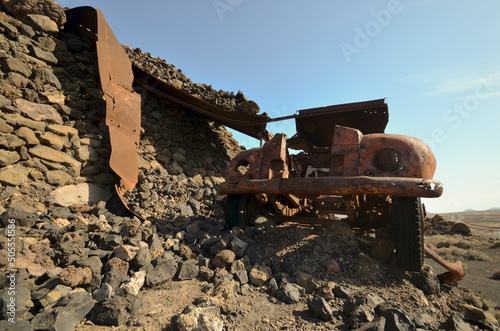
(477, 255)
(431, 246)
(438, 241)
(457, 241)
(465, 244)
(453, 253)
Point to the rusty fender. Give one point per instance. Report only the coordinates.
(396, 186)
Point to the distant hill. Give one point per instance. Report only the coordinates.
(474, 210)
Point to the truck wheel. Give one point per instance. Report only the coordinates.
(240, 210)
(409, 229)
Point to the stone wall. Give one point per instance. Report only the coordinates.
(53, 131)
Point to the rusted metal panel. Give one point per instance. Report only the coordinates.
(123, 115)
(269, 161)
(314, 126)
(345, 148)
(123, 105)
(274, 166)
(403, 187)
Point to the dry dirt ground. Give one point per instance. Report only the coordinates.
(485, 226)
(255, 309)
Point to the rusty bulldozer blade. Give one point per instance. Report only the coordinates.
(455, 271)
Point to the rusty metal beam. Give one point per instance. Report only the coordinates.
(403, 187)
(455, 271)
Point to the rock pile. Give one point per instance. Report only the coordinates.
(438, 225)
(169, 73)
(81, 257)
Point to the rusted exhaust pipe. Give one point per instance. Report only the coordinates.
(455, 271)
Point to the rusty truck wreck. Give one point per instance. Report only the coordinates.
(348, 166)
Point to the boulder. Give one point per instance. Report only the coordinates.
(65, 313)
(259, 275)
(188, 270)
(117, 310)
(288, 293)
(116, 264)
(84, 194)
(223, 259)
(206, 317)
(319, 308)
(135, 284)
(161, 273)
(425, 281)
(73, 276)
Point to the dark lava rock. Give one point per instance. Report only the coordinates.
(117, 264)
(188, 270)
(456, 323)
(65, 314)
(117, 310)
(319, 308)
(288, 293)
(141, 259)
(397, 319)
(114, 278)
(161, 273)
(423, 280)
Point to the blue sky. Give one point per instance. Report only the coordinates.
(436, 62)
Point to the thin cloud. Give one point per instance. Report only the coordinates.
(455, 80)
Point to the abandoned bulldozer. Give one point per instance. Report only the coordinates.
(347, 168)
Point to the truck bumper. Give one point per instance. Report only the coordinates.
(396, 186)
